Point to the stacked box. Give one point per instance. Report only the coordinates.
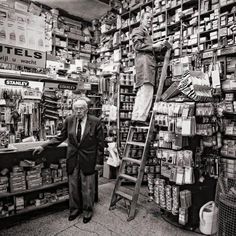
(46, 176)
(19, 203)
(55, 170)
(62, 193)
(4, 184)
(17, 179)
(63, 169)
(33, 178)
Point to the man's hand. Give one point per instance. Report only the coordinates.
(157, 45)
(168, 44)
(38, 150)
(99, 167)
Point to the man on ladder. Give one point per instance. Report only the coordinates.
(145, 81)
(145, 66)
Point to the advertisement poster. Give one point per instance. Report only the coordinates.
(3, 26)
(22, 56)
(11, 27)
(35, 32)
(27, 89)
(22, 29)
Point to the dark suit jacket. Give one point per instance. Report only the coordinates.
(89, 151)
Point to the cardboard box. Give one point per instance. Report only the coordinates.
(110, 172)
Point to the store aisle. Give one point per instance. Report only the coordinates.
(104, 222)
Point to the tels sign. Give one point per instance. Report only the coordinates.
(22, 57)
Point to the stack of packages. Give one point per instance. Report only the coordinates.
(17, 179)
(150, 178)
(196, 85)
(50, 104)
(7, 208)
(58, 171)
(46, 176)
(28, 175)
(33, 175)
(4, 184)
(85, 52)
(62, 193)
(62, 164)
(185, 203)
(19, 203)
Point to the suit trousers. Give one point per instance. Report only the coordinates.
(81, 192)
(143, 102)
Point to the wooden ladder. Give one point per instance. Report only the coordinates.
(121, 192)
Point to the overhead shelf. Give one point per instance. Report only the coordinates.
(32, 76)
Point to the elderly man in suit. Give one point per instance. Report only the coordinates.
(85, 149)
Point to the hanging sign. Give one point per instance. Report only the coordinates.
(60, 86)
(22, 56)
(26, 88)
(16, 82)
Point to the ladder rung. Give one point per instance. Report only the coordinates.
(136, 161)
(124, 195)
(139, 127)
(136, 143)
(128, 177)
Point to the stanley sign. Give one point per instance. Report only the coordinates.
(22, 57)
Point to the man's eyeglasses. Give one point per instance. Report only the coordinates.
(80, 109)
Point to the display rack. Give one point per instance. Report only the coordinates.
(45, 194)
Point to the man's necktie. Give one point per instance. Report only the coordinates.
(79, 131)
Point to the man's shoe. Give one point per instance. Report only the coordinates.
(86, 219)
(73, 216)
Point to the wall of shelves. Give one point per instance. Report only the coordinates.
(202, 36)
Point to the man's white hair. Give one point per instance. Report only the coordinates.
(80, 102)
(144, 13)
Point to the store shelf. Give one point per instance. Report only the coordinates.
(4, 195)
(65, 36)
(189, 3)
(159, 13)
(111, 31)
(125, 14)
(227, 6)
(125, 41)
(159, 29)
(227, 113)
(173, 8)
(74, 50)
(206, 13)
(128, 94)
(208, 31)
(134, 25)
(228, 157)
(126, 28)
(93, 96)
(33, 208)
(125, 110)
(59, 46)
(32, 76)
(127, 85)
(173, 24)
